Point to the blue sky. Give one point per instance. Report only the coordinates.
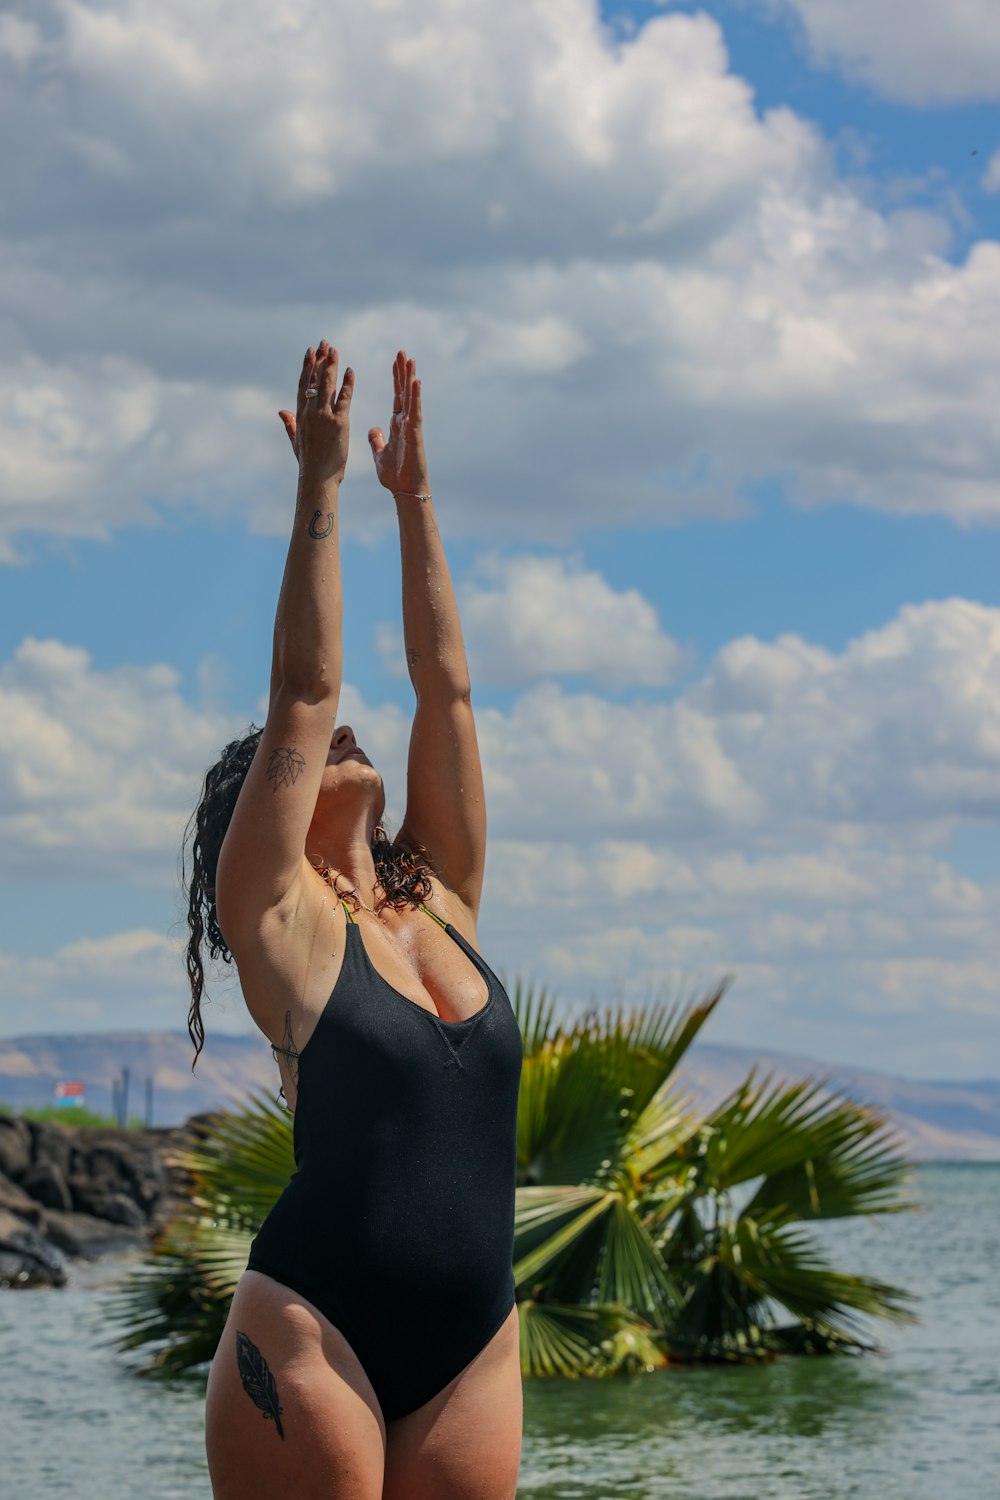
(705, 302)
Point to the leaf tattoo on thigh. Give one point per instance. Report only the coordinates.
(284, 767)
(257, 1380)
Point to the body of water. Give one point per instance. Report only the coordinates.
(920, 1422)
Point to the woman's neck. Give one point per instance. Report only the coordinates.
(349, 868)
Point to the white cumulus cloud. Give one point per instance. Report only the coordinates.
(991, 177)
(98, 770)
(101, 768)
(131, 980)
(631, 292)
(894, 738)
(527, 617)
(915, 51)
(781, 819)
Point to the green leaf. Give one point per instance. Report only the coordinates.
(562, 1215)
(574, 1341)
(242, 1164)
(632, 1271)
(534, 1009)
(667, 1121)
(175, 1305)
(811, 1149)
(571, 1129)
(776, 1260)
(584, 1087)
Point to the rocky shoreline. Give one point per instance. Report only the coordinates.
(70, 1191)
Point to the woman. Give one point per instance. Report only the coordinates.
(371, 1349)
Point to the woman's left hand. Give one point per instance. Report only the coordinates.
(400, 463)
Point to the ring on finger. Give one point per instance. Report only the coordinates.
(312, 391)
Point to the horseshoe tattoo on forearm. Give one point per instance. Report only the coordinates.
(315, 530)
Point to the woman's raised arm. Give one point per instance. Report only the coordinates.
(261, 862)
(445, 798)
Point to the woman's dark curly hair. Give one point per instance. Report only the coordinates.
(402, 872)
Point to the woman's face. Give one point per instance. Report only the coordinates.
(349, 772)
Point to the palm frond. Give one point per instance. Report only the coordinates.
(813, 1338)
(775, 1259)
(242, 1164)
(534, 1008)
(549, 1221)
(539, 1073)
(857, 1170)
(642, 1046)
(775, 1132)
(577, 1341)
(630, 1346)
(570, 1126)
(714, 1317)
(667, 1121)
(175, 1305)
(584, 1089)
(555, 1341)
(632, 1271)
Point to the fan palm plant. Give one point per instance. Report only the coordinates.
(627, 1217)
(174, 1306)
(632, 1249)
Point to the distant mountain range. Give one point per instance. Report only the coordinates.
(936, 1119)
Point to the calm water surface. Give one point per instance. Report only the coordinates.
(920, 1422)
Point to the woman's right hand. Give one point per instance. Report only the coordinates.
(319, 432)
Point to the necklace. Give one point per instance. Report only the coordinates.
(325, 873)
(354, 894)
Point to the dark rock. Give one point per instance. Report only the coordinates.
(132, 1167)
(120, 1185)
(84, 1194)
(51, 1143)
(172, 1143)
(197, 1127)
(26, 1259)
(45, 1182)
(104, 1203)
(81, 1191)
(82, 1234)
(15, 1146)
(16, 1200)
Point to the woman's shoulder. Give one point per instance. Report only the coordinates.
(449, 907)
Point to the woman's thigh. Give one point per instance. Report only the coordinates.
(289, 1409)
(465, 1443)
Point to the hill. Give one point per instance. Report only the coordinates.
(937, 1118)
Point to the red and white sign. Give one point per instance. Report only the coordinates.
(68, 1091)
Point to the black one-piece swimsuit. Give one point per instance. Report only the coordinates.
(398, 1220)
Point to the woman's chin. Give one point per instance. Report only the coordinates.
(355, 778)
